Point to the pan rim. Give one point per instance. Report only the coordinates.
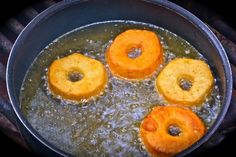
(166, 4)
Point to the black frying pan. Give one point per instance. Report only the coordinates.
(68, 15)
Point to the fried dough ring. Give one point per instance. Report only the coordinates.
(92, 83)
(196, 71)
(154, 130)
(134, 68)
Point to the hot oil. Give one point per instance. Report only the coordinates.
(109, 124)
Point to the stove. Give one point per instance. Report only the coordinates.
(14, 23)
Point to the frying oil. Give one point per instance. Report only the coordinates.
(107, 125)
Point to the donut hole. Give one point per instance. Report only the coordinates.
(134, 52)
(174, 130)
(185, 83)
(75, 76)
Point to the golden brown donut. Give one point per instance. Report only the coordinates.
(143, 65)
(154, 130)
(197, 72)
(93, 80)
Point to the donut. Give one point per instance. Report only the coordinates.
(137, 67)
(64, 78)
(198, 81)
(168, 130)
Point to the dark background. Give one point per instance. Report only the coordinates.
(224, 9)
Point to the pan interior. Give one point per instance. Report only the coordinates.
(108, 124)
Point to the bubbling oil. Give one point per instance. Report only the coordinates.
(107, 125)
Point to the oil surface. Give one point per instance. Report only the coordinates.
(107, 125)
